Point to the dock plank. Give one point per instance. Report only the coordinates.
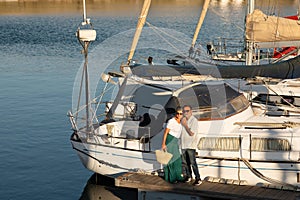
(206, 189)
(251, 192)
(262, 193)
(240, 190)
(283, 195)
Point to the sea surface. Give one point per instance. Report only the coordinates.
(39, 60)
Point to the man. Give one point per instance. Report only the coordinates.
(189, 145)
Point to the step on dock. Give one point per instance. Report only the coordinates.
(206, 189)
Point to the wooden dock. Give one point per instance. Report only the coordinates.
(206, 189)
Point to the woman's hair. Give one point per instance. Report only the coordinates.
(178, 109)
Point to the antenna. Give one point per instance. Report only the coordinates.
(84, 12)
(85, 34)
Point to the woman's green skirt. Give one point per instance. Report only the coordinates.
(173, 169)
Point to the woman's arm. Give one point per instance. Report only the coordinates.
(164, 146)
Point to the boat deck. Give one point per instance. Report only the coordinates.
(206, 189)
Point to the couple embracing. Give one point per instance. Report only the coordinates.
(182, 127)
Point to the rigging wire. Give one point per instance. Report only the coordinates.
(98, 104)
(91, 101)
(157, 30)
(226, 19)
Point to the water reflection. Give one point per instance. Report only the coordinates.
(101, 187)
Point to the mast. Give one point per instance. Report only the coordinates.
(249, 44)
(250, 8)
(200, 22)
(298, 9)
(84, 11)
(125, 68)
(139, 27)
(85, 35)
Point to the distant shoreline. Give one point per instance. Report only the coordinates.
(116, 7)
(94, 7)
(140, 1)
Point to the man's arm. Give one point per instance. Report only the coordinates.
(185, 125)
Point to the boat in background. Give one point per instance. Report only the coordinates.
(268, 39)
(285, 33)
(233, 143)
(271, 96)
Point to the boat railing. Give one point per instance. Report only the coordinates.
(125, 136)
(123, 110)
(226, 46)
(230, 49)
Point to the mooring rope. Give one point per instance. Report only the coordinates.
(268, 179)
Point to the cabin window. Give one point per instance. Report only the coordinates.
(226, 110)
(213, 101)
(239, 103)
(270, 144)
(219, 143)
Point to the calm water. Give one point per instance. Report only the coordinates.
(40, 57)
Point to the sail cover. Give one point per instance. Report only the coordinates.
(283, 70)
(264, 28)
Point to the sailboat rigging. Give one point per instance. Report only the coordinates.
(123, 144)
(85, 35)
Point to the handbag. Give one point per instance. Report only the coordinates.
(163, 157)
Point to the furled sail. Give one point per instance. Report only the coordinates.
(263, 28)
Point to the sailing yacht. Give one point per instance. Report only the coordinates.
(234, 144)
(261, 31)
(267, 39)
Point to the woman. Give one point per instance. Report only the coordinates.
(173, 169)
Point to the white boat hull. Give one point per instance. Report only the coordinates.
(110, 161)
(113, 161)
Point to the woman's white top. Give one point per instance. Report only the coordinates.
(175, 128)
